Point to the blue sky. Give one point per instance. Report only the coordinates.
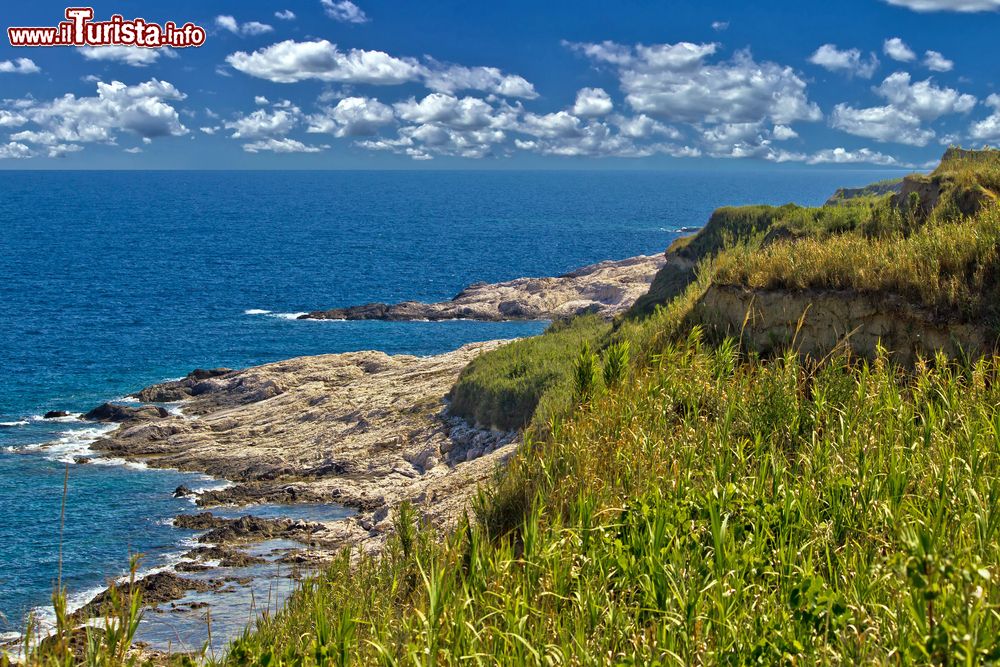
(455, 84)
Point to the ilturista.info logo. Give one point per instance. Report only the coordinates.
(80, 29)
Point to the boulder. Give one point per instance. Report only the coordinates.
(55, 414)
(112, 412)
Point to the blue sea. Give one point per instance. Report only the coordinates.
(110, 281)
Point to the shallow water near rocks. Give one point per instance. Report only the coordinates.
(111, 281)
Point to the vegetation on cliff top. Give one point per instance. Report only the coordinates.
(709, 506)
(716, 507)
(504, 388)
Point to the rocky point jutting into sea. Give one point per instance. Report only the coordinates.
(364, 430)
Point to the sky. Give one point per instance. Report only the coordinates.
(398, 84)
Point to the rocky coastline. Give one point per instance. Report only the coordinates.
(362, 430)
(607, 289)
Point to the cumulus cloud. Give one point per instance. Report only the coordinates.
(352, 117)
(844, 156)
(644, 127)
(911, 105)
(719, 26)
(676, 82)
(988, 129)
(145, 109)
(11, 119)
(591, 102)
(19, 66)
(923, 98)
(783, 133)
(285, 15)
(966, 6)
(453, 78)
(848, 61)
(14, 151)
(248, 29)
(262, 123)
(344, 11)
(885, 123)
(290, 61)
(281, 146)
(897, 49)
(936, 62)
(129, 55)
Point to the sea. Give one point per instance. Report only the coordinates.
(111, 281)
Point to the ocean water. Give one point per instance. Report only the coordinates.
(110, 281)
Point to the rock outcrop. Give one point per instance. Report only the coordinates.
(363, 429)
(178, 390)
(814, 322)
(607, 288)
(115, 413)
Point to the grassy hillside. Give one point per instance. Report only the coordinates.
(714, 507)
(503, 389)
(703, 505)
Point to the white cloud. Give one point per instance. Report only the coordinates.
(19, 66)
(352, 117)
(260, 100)
(719, 26)
(453, 78)
(466, 113)
(897, 49)
(936, 62)
(144, 109)
(923, 99)
(644, 127)
(262, 123)
(989, 128)
(844, 156)
(911, 105)
(675, 82)
(290, 61)
(14, 151)
(209, 130)
(135, 150)
(249, 29)
(783, 133)
(848, 61)
(11, 119)
(948, 5)
(62, 150)
(285, 15)
(130, 55)
(886, 123)
(592, 102)
(281, 146)
(344, 11)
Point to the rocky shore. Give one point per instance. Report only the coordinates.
(607, 288)
(365, 429)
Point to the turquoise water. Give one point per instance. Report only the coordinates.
(110, 281)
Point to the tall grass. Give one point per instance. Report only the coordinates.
(717, 508)
(504, 387)
(950, 266)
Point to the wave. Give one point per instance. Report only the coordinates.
(256, 311)
(18, 423)
(74, 443)
(287, 316)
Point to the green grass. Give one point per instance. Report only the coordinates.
(716, 508)
(684, 503)
(503, 388)
(952, 267)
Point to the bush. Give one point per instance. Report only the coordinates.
(502, 388)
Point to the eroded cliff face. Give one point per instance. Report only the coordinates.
(814, 322)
